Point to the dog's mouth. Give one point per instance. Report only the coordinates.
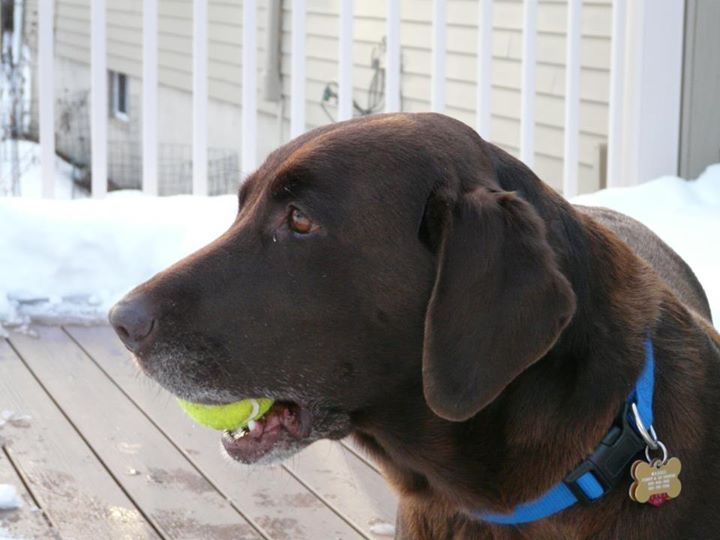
(278, 431)
(285, 428)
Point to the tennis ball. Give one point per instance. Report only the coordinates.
(227, 417)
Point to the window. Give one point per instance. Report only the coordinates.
(120, 96)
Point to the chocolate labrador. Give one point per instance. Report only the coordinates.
(502, 354)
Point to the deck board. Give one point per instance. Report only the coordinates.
(28, 521)
(66, 478)
(345, 482)
(179, 501)
(349, 485)
(279, 505)
(108, 454)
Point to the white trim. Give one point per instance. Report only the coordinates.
(297, 68)
(46, 98)
(123, 116)
(392, 62)
(484, 68)
(527, 96)
(249, 87)
(345, 45)
(617, 83)
(572, 99)
(652, 91)
(200, 98)
(98, 98)
(150, 98)
(438, 83)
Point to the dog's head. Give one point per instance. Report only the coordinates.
(372, 258)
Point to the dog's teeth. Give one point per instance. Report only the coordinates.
(235, 435)
(251, 425)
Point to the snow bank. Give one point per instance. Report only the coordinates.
(71, 260)
(684, 214)
(31, 172)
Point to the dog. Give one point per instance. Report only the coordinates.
(397, 279)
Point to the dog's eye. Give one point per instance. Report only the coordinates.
(299, 222)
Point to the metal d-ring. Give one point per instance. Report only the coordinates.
(664, 453)
(648, 435)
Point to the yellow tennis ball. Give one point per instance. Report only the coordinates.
(227, 417)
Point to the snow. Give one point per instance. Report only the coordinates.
(14, 419)
(70, 260)
(684, 214)
(5, 535)
(9, 498)
(31, 172)
(382, 529)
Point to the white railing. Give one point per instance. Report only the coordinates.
(249, 92)
(572, 99)
(392, 71)
(46, 102)
(437, 85)
(617, 61)
(150, 97)
(345, 78)
(527, 83)
(98, 97)
(200, 98)
(618, 92)
(484, 64)
(297, 69)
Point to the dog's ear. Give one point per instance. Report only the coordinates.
(498, 305)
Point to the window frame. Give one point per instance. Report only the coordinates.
(116, 112)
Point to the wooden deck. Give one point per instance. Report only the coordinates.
(99, 452)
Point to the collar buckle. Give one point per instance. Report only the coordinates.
(609, 461)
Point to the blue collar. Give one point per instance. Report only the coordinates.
(604, 468)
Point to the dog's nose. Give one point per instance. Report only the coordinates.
(133, 322)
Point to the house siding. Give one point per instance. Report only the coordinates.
(224, 70)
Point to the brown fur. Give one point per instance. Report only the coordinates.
(469, 327)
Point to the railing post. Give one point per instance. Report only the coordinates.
(617, 85)
(249, 87)
(345, 83)
(527, 105)
(484, 63)
(150, 97)
(46, 98)
(392, 63)
(98, 98)
(572, 99)
(297, 69)
(200, 98)
(439, 27)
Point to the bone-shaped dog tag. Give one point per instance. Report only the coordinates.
(655, 482)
